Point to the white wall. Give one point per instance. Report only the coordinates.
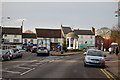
(34, 40)
(12, 37)
(86, 38)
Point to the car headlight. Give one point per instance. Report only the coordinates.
(102, 60)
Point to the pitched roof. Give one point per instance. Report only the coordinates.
(48, 33)
(11, 30)
(66, 30)
(84, 32)
(29, 35)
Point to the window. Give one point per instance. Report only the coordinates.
(81, 36)
(91, 42)
(16, 40)
(55, 39)
(6, 40)
(15, 35)
(5, 35)
(31, 41)
(91, 37)
(25, 40)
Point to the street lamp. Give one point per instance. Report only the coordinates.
(2, 25)
(22, 31)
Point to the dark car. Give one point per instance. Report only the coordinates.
(42, 51)
(34, 50)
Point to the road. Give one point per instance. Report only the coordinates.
(32, 66)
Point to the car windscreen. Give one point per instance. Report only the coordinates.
(42, 48)
(95, 53)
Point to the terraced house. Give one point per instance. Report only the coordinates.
(12, 37)
(78, 39)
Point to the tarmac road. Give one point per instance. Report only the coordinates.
(32, 66)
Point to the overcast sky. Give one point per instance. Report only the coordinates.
(52, 14)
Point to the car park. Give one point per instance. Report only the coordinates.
(42, 51)
(94, 57)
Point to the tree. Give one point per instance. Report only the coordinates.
(104, 32)
(115, 34)
(64, 46)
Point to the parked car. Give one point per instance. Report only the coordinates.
(34, 50)
(94, 57)
(42, 51)
(14, 53)
(22, 50)
(5, 55)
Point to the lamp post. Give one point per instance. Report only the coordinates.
(22, 32)
(2, 25)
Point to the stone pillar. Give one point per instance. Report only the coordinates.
(69, 42)
(74, 44)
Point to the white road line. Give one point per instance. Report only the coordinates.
(24, 67)
(27, 71)
(13, 72)
(33, 65)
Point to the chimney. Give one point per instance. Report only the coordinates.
(93, 29)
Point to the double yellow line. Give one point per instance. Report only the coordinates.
(108, 74)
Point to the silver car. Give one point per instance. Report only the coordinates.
(42, 51)
(5, 55)
(94, 57)
(14, 53)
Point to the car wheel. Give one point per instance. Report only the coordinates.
(20, 56)
(85, 65)
(3, 59)
(37, 54)
(11, 57)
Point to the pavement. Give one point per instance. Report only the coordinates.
(112, 64)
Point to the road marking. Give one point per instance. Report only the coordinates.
(13, 72)
(24, 67)
(33, 65)
(27, 71)
(108, 74)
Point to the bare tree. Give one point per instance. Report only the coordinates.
(104, 32)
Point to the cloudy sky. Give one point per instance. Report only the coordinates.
(52, 14)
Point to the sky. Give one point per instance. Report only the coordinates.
(82, 15)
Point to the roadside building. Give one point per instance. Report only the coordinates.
(78, 39)
(12, 37)
(86, 38)
(54, 35)
(65, 30)
(29, 40)
(99, 41)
